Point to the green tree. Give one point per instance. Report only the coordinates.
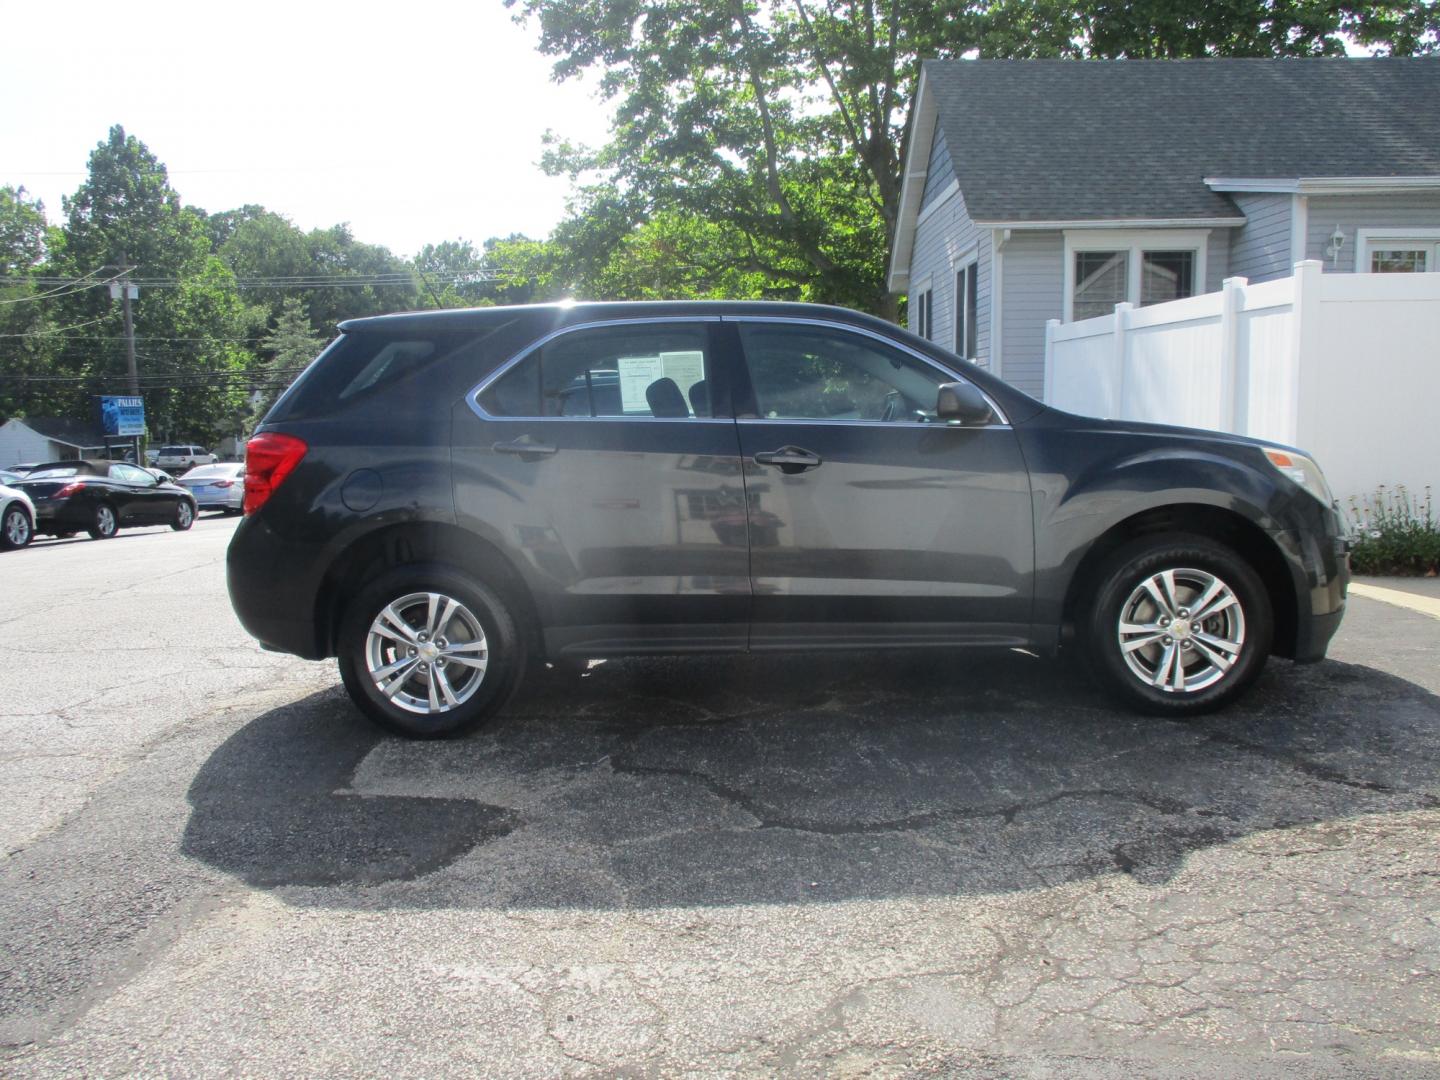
(290, 345)
(382, 281)
(776, 128)
(26, 332)
(191, 324)
(452, 274)
(525, 271)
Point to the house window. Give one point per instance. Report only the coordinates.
(966, 302)
(1166, 275)
(922, 314)
(1101, 282)
(1400, 260)
(1107, 267)
(1415, 251)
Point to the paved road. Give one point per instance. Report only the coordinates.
(781, 865)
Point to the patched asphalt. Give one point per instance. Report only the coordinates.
(865, 864)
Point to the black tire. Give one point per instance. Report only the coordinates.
(505, 653)
(16, 529)
(105, 523)
(184, 516)
(1133, 675)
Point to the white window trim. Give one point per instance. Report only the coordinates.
(919, 289)
(1135, 242)
(971, 261)
(1364, 238)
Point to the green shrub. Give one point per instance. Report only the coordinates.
(1398, 534)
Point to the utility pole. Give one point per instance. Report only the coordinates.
(123, 291)
(127, 291)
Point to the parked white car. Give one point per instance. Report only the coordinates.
(17, 518)
(217, 487)
(176, 459)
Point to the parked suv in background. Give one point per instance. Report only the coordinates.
(176, 459)
(445, 499)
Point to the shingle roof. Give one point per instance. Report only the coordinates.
(1062, 140)
(65, 430)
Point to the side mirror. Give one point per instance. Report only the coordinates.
(962, 402)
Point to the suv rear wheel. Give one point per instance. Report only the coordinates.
(428, 652)
(1180, 625)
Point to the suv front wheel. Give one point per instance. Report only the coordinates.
(428, 652)
(1180, 625)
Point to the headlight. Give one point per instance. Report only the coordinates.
(1302, 470)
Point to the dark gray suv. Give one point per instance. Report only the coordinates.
(445, 500)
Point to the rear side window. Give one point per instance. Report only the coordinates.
(54, 473)
(367, 365)
(622, 371)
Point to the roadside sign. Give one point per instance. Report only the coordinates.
(122, 415)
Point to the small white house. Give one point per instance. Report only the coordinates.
(47, 438)
(1055, 189)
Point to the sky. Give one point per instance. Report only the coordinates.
(416, 123)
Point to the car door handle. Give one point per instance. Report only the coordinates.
(791, 459)
(525, 447)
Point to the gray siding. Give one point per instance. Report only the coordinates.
(1260, 249)
(942, 242)
(1033, 269)
(1417, 209)
(1217, 260)
(940, 171)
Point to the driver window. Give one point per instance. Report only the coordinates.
(808, 373)
(131, 475)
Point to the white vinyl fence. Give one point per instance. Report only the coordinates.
(1344, 366)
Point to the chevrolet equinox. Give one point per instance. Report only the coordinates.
(445, 499)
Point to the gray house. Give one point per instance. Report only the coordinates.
(48, 438)
(1040, 189)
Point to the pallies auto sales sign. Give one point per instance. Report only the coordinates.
(122, 415)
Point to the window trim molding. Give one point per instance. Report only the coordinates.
(1002, 420)
(970, 261)
(1379, 234)
(472, 396)
(1135, 242)
(923, 286)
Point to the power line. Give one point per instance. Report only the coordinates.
(298, 281)
(159, 377)
(63, 290)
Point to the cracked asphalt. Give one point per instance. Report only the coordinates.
(854, 865)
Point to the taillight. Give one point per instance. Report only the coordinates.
(69, 489)
(222, 483)
(269, 458)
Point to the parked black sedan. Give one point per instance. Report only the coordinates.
(100, 497)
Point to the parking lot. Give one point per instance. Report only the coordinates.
(869, 864)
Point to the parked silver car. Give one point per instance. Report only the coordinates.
(217, 487)
(17, 518)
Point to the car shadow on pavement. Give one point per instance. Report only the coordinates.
(663, 782)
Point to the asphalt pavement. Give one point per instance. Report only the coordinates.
(880, 864)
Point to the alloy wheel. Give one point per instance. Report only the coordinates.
(426, 652)
(17, 527)
(1181, 630)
